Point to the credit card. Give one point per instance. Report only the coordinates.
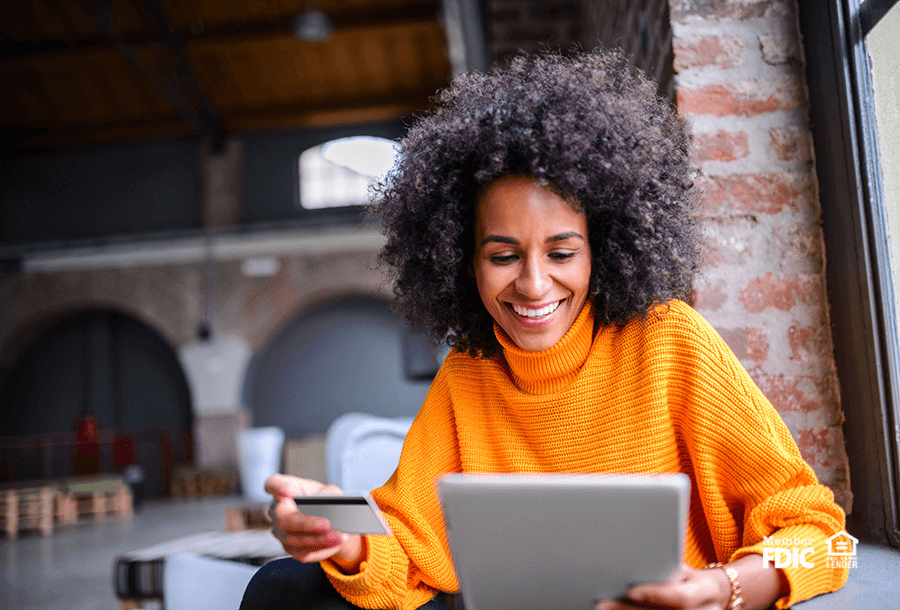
(349, 514)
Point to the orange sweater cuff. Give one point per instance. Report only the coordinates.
(802, 579)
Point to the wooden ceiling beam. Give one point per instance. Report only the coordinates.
(349, 112)
(281, 117)
(66, 136)
(210, 123)
(226, 32)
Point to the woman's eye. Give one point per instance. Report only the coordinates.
(561, 255)
(503, 259)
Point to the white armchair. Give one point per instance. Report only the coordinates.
(362, 451)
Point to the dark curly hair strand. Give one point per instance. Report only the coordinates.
(589, 127)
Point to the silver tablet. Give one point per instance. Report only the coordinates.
(559, 541)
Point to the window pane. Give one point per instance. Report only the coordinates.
(883, 44)
(883, 48)
(340, 172)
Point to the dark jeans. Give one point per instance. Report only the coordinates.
(284, 584)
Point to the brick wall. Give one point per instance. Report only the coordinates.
(740, 82)
(170, 297)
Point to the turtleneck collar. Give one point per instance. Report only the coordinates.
(553, 369)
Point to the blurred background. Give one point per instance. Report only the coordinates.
(183, 234)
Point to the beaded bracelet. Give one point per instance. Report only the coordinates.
(737, 598)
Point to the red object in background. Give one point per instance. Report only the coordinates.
(124, 451)
(87, 446)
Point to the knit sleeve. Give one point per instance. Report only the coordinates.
(407, 569)
(757, 491)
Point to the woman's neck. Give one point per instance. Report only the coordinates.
(552, 369)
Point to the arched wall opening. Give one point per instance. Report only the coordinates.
(104, 365)
(341, 356)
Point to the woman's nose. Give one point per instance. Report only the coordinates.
(533, 281)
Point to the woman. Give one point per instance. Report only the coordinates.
(541, 220)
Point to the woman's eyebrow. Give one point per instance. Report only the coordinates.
(503, 239)
(565, 235)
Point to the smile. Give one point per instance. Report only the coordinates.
(525, 312)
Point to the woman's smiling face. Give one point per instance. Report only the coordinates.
(532, 261)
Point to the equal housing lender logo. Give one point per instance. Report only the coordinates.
(841, 550)
(793, 552)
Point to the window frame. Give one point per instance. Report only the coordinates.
(860, 291)
(271, 172)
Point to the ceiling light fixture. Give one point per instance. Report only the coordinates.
(312, 25)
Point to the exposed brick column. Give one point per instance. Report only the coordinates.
(740, 82)
(220, 184)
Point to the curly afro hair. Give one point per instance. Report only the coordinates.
(587, 126)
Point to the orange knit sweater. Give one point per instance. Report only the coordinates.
(662, 395)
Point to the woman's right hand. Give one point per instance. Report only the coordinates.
(305, 537)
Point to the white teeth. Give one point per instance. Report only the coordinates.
(536, 313)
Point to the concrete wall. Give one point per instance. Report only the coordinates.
(342, 357)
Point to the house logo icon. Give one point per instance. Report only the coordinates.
(842, 544)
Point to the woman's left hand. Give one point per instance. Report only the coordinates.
(692, 589)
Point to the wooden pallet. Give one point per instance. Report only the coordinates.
(247, 517)
(194, 482)
(87, 500)
(66, 510)
(43, 505)
(9, 513)
(29, 508)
